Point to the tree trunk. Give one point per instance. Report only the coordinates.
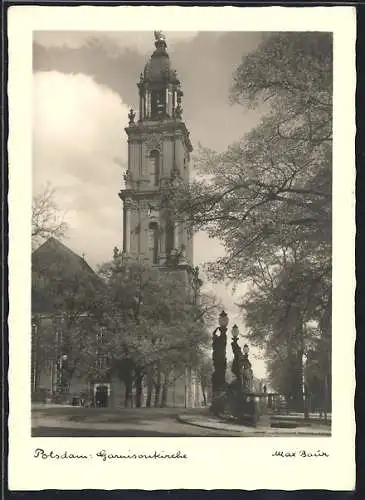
(149, 389)
(149, 396)
(139, 380)
(128, 394)
(204, 395)
(325, 397)
(165, 389)
(158, 388)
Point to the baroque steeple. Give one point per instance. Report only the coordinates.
(160, 94)
(159, 150)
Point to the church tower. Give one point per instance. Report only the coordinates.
(159, 151)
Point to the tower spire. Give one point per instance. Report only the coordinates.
(159, 86)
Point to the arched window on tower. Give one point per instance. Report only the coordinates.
(153, 240)
(158, 98)
(154, 167)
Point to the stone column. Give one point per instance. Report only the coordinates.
(140, 106)
(162, 249)
(176, 235)
(173, 102)
(148, 111)
(124, 230)
(127, 230)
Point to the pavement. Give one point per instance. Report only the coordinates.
(302, 428)
(104, 422)
(68, 421)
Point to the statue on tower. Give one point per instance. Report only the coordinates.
(159, 36)
(178, 110)
(160, 41)
(131, 117)
(181, 259)
(116, 253)
(128, 180)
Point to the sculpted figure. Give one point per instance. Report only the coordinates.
(159, 36)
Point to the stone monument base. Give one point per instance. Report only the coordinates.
(248, 408)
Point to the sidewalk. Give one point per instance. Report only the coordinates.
(313, 418)
(210, 422)
(45, 406)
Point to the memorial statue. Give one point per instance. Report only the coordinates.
(241, 366)
(247, 374)
(219, 358)
(237, 361)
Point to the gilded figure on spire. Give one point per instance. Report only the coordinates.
(159, 36)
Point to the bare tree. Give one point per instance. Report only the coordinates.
(47, 218)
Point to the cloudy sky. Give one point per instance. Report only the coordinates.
(83, 86)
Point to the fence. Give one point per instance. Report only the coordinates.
(305, 403)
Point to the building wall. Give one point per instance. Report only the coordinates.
(185, 392)
(142, 192)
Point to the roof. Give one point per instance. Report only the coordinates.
(57, 273)
(53, 250)
(158, 68)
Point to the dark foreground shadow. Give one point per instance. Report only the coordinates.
(62, 432)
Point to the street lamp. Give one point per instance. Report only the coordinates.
(223, 320)
(63, 360)
(304, 385)
(235, 332)
(34, 358)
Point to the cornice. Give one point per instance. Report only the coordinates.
(130, 194)
(140, 132)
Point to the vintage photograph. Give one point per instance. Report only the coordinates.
(181, 234)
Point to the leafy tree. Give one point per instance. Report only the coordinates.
(268, 197)
(273, 187)
(289, 316)
(156, 328)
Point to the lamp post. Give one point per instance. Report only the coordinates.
(219, 355)
(63, 368)
(235, 332)
(237, 356)
(35, 354)
(304, 386)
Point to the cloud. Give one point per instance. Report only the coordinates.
(142, 41)
(116, 59)
(77, 138)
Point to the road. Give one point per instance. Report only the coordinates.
(96, 422)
